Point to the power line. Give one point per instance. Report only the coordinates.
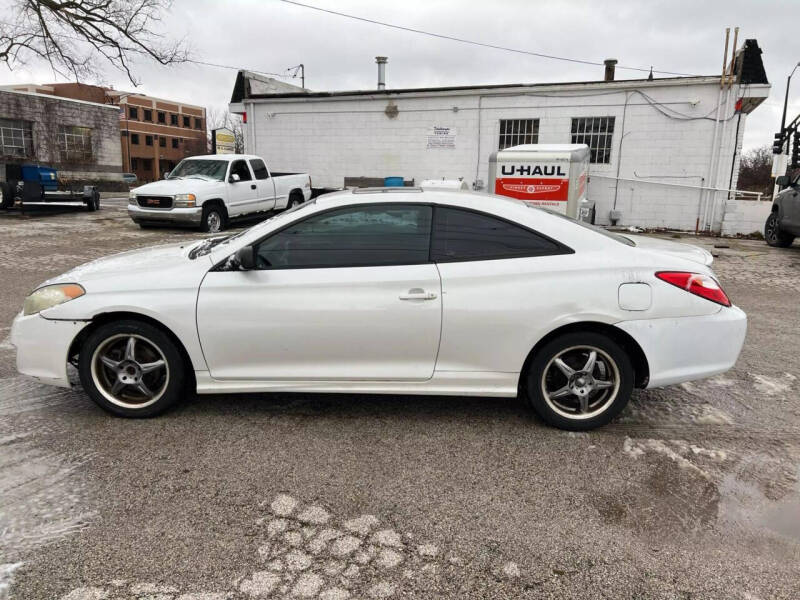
(219, 66)
(474, 43)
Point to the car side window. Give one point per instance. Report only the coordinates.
(259, 169)
(356, 236)
(462, 235)
(239, 168)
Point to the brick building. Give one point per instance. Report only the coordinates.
(79, 138)
(664, 151)
(155, 133)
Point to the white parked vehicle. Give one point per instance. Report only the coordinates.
(394, 291)
(207, 191)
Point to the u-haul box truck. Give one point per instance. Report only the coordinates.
(552, 176)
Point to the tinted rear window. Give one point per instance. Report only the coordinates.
(464, 235)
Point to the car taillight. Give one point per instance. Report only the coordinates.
(698, 284)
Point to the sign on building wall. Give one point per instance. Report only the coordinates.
(441, 137)
(223, 141)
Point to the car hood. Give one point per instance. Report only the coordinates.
(674, 249)
(170, 187)
(149, 260)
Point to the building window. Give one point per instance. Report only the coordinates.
(148, 140)
(135, 139)
(133, 112)
(147, 164)
(597, 133)
(148, 114)
(186, 121)
(134, 163)
(514, 132)
(173, 120)
(174, 142)
(16, 138)
(162, 141)
(74, 143)
(162, 117)
(198, 123)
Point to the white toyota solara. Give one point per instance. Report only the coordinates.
(390, 291)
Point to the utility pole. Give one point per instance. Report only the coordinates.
(302, 69)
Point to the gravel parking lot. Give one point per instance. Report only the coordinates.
(693, 492)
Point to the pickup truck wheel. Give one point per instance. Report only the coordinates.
(93, 203)
(294, 199)
(213, 219)
(131, 369)
(773, 234)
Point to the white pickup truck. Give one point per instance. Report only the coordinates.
(207, 191)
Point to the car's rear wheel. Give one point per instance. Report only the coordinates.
(579, 381)
(131, 369)
(773, 234)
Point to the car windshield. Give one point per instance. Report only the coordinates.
(614, 236)
(213, 170)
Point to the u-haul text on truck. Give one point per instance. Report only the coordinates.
(552, 176)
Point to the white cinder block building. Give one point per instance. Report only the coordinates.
(664, 151)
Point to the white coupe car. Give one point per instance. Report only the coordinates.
(391, 291)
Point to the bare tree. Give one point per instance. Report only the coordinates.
(755, 170)
(217, 118)
(70, 34)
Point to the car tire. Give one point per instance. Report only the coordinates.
(213, 219)
(295, 198)
(568, 394)
(93, 203)
(6, 195)
(135, 379)
(773, 234)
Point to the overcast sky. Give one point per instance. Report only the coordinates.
(269, 35)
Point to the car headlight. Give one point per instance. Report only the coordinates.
(185, 201)
(132, 198)
(50, 296)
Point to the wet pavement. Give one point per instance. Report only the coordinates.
(693, 492)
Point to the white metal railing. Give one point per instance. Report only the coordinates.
(744, 193)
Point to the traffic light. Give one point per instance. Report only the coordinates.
(777, 145)
(796, 151)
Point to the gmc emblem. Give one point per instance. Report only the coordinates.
(153, 202)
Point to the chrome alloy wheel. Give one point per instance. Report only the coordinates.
(580, 382)
(130, 371)
(214, 222)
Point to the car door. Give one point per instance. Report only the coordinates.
(344, 294)
(265, 185)
(791, 208)
(242, 195)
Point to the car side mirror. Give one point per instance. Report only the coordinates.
(166, 174)
(783, 181)
(246, 257)
(234, 178)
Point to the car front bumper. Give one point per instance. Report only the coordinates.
(43, 346)
(688, 348)
(168, 216)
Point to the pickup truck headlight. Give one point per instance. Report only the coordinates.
(131, 197)
(50, 296)
(185, 201)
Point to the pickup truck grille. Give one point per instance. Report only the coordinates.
(154, 201)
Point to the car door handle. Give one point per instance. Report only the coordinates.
(252, 186)
(418, 294)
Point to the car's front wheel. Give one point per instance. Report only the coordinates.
(773, 234)
(579, 381)
(213, 219)
(131, 369)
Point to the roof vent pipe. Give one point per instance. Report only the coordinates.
(610, 63)
(381, 60)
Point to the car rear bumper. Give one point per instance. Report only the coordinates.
(42, 347)
(167, 216)
(687, 348)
